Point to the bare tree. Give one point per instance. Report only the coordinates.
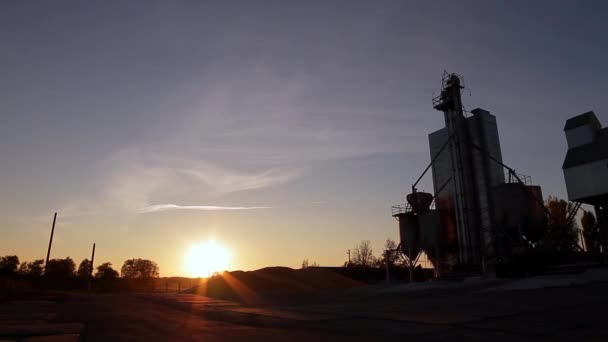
(306, 264)
(389, 255)
(363, 255)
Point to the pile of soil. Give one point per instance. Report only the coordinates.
(254, 286)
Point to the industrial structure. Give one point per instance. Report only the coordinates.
(586, 168)
(481, 211)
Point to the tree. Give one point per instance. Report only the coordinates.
(139, 268)
(591, 232)
(9, 265)
(306, 265)
(34, 268)
(105, 271)
(84, 269)
(560, 234)
(390, 254)
(363, 254)
(61, 268)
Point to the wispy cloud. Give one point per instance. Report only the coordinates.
(137, 178)
(237, 135)
(166, 207)
(224, 182)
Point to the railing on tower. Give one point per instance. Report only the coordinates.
(510, 178)
(405, 208)
(401, 209)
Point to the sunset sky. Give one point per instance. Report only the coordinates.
(283, 130)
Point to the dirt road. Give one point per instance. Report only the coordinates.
(131, 318)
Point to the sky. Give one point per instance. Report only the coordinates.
(283, 130)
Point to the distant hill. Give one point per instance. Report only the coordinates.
(254, 286)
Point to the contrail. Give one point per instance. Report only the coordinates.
(165, 207)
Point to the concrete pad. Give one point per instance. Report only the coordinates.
(596, 275)
(589, 276)
(540, 282)
(552, 323)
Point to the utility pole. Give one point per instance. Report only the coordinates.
(48, 252)
(92, 259)
(348, 251)
(91, 270)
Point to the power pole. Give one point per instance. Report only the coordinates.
(92, 259)
(348, 251)
(48, 252)
(91, 270)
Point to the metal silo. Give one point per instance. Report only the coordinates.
(409, 234)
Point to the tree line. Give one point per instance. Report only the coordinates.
(10, 266)
(363, 255)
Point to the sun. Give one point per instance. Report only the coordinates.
(205, 258)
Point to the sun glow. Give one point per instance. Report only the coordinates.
(205, 258)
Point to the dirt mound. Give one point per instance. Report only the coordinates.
(252, 286)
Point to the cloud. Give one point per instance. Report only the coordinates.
(137, 177)
(225, 182)
(252, 132)
(166, 207)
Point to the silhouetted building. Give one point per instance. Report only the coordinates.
(464, 175)
(586, 163)
(586, 167)
(479, 216)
